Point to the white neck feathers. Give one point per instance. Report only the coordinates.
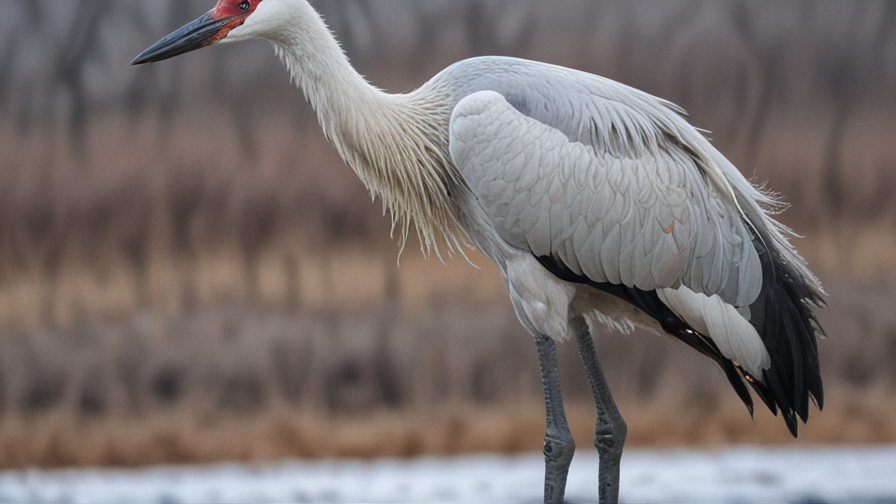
(397, 144)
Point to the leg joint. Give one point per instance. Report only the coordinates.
(609, 438)
(559, 448)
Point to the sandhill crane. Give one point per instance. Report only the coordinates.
(599, 203)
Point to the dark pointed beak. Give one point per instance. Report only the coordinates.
(203, 32)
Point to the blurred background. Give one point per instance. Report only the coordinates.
(188, 273)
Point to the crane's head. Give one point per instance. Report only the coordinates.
(229, 21)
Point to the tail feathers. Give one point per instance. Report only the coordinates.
(784, 319)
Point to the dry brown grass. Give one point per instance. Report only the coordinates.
(852, 416)
(237, 383)
(178, 437)
(183, 438)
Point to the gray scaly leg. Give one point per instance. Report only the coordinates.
(559, 445)
(610, 430)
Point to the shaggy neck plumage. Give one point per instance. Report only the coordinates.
(397, 144)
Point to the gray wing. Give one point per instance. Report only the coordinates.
(608, 189)
(590, 171)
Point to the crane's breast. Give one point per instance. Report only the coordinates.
(646, 221)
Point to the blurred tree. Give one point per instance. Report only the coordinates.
(79, 45)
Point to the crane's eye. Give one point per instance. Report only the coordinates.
(244, 5)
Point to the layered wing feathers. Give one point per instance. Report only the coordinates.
(648, 221)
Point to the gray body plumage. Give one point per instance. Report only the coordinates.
(630, 167)
(616, 186)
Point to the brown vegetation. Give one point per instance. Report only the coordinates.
(234, 382)
(181, 437)
(188, 273)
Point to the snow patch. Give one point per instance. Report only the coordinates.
(724, 475)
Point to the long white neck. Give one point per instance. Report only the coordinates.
(397, 144)
(320, 68)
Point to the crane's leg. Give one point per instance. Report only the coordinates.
(610, 430)
(559, 445)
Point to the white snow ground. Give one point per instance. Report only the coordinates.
(742, 475)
